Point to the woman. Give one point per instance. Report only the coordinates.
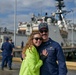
(31, 63)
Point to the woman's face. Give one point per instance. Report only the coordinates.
(37, 40)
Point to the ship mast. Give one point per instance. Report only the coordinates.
(60, 12)
(60, 5)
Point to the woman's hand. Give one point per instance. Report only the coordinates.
(23, 56)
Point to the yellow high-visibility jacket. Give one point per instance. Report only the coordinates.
(32, 63)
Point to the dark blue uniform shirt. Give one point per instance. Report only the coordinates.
(55, 53)
(6, 48)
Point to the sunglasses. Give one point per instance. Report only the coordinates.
(37, 38)
(41, 31)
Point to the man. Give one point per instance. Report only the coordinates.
(22, 44)
(6, 54)
(55, 54)
(10, 41)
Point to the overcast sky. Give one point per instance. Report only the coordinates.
(25, 8)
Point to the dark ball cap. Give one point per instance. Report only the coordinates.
(6, 38)
(43, 26)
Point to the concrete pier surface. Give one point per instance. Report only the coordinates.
(14, 71)
(16, 68)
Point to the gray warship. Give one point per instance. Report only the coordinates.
(60, 29)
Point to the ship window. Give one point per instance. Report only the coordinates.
(28, 25)
(40, 19)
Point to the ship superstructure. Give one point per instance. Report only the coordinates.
(67, 30)
(60, 29)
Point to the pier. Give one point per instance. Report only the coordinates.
(16, 68)
(71, 65)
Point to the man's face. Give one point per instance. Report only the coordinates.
(44, 33)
